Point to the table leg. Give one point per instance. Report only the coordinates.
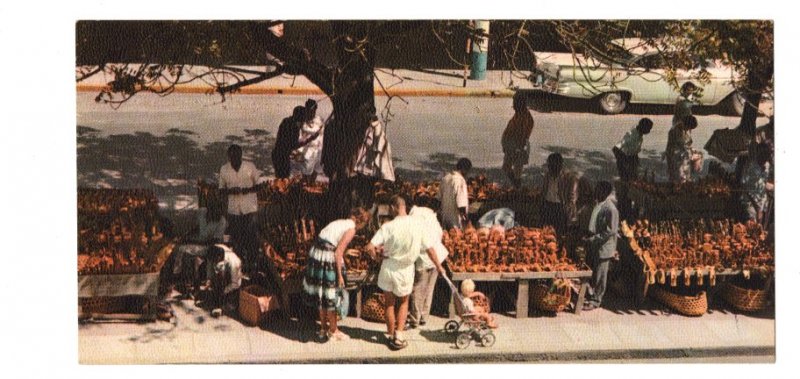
(359, 298)
(522, 298)
(581, 297)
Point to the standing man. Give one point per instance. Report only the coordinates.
(308, 154)
(425, 270)
(397, 244)
(454, 197)
(602, 243)
(560, 189)
(684, 103)
(627, 151)
(238, 180)
(516, 147)
(287, 140)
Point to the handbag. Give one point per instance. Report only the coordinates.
(342, 302)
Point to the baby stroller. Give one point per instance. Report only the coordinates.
(474, 328)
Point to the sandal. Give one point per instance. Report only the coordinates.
(339, 336)
(322, 337)
(397, 344)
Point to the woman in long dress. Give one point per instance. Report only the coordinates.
(325, 270)
(679, 150)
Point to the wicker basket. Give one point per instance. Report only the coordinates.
(541, 298)
(373, 308)
(743, 299)
(686, 305)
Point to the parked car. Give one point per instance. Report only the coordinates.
(639, 81)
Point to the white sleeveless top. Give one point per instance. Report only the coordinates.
(334, 231)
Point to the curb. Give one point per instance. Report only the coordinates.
(539, 357)
(453, 92)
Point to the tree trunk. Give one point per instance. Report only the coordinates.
(353, 99)
(750, 114)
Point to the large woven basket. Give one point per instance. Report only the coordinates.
(542, 299)
(686, 305)
(744, 299)
(111, 305)
(373, 308)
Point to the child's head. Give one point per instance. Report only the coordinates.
(467, 287)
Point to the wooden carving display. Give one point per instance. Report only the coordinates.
(119, 232)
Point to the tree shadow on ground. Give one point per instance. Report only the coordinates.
(372, 336)
(168, 164)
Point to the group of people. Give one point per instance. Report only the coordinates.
(409, 247)
(300, 139)
(410, 251)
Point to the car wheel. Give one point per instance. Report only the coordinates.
(613, 102)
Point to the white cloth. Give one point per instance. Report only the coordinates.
(430, 225)
(469, 305)
(309, 157)
(375, 155)
(334, 231)
(453, 195)
(552, 192)
(402, 239)
(210, 230)
(247, 177)
(230, 264)
(631, 143)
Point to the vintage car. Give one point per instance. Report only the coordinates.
(637, 81)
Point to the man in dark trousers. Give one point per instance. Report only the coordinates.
(627, 151)
(604, 227)
(286, 141)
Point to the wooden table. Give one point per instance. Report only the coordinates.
(523, 284)
(145, 285)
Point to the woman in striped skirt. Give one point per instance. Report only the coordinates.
(325, 269)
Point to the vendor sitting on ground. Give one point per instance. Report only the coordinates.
(210, 229)
(469, 294)
(224, 277)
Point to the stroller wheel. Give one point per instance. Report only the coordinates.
(451, 326)
(488, 339)
(463, 340)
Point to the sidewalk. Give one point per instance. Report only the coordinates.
(420, 82)
(603, 334)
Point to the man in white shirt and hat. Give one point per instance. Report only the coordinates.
(239, 180)
(398, 244)
(425, 270)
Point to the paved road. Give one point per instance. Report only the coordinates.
(427, 134)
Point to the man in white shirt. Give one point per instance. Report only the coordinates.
(398, 244)
(224, 273)
(454, 196)
(238, 180)
(627, 151)
(425, 271)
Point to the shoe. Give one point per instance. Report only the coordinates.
(397, 344)
(590, 307)
(216, 312)
(339, 336)
(411, 326)
(422, 322)
(322, 337)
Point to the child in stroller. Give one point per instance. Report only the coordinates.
(476, 319)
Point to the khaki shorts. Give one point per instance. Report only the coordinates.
(396, 279)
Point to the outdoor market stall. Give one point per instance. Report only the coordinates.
(707, 198)
(121, 250)
(680, 262)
